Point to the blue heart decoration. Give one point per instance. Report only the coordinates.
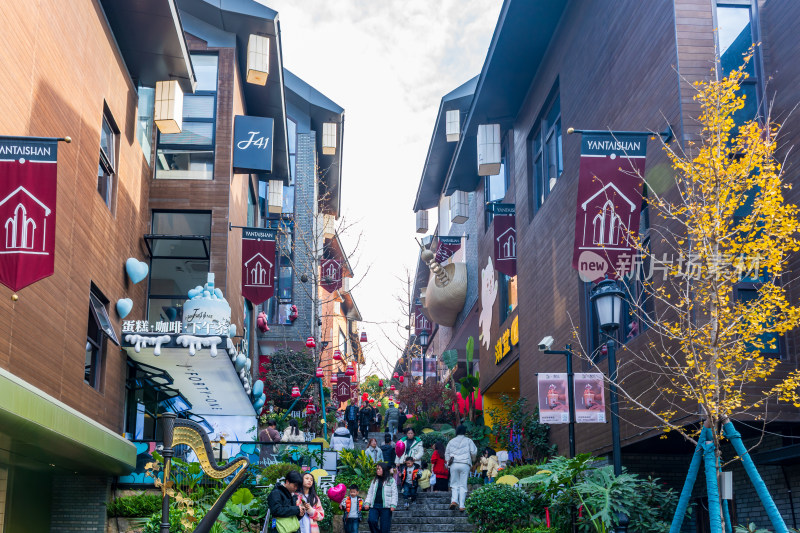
(258, 388)
(137, 270)
(259, 403)
(240, 361)
(124, 306)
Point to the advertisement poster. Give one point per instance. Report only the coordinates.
(590, 400)
(553, 404)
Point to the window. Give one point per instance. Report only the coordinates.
(144, 121)
(251, 205)
(494, 190)
(190, 153)
(736, 33)
(546, 152)
(508, 296)
(176, 265)
(343, 344)
(98, 330)
(105, 169)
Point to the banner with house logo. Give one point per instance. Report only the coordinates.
(28, 169)
(421, 322)
(590, 400)
(447, 247)
(505, 239)
(258, 264)
(331, 274)
(342, 389)
(609, 203)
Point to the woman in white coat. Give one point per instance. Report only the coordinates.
(460, 454)
(381, 500)
(413, 448)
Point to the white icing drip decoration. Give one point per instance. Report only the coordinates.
(199, 342)
(141, 340)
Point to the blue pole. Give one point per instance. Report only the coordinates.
(761, 489)
(289, 410)
(712, 489)
(322, 406)
(727, 515)
(688, 485)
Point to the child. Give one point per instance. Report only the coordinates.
(352, 506)
(373, 452)
(425, 478)
(489, 465)
(409, 480)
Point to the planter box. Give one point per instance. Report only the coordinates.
(125, 525)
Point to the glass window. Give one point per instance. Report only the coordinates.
(105, 169)
(285, 279)
(181, 223)
(99, 328)
(251, 206)
(343, 343)
(190, 153)
(494, 190)
(735, 36)
(144, 122)
(288, 199)
(508, 296)
(262, 202)
(547, 152)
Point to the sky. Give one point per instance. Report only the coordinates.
(387, 63)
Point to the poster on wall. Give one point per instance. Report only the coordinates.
(590, 400)
(431, 366)
(553, 404)
(28, 169)
(258, 264)
(609, 204)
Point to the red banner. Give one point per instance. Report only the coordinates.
(609, 203)
(421, 322)
(505, 239)
(258, 264)
(28, 169)
(343, 391)
(330, 274)
(447, 247)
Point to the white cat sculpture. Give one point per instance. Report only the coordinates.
(488, 297)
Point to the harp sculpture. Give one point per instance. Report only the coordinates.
(181, 431)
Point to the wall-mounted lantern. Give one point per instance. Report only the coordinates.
(275, 196)
(453, 125)
(459, 207)
(168, 112)
(329, 138)
(257, 59)
(422, 221)
(488, 149)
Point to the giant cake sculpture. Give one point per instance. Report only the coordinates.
(206, 312)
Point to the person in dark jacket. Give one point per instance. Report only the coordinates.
(402, 419)
(365, 416)
(351, 417)
(388, 449)
(282, 501)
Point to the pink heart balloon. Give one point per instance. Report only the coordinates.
(337, 493)
(399, 448)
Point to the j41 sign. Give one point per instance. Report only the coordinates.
(252, 144)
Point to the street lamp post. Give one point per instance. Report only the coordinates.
(607, 298)
(423, 344)
(567, 351)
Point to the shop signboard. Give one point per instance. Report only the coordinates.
(506, 341)
(258, 264)
(590, 401)
(252, 144)
(447, 247)
(553, 405)
(609, 203)
(421, 322)
(330, 274)
(343, 391)
(28, 169)
(505, 239)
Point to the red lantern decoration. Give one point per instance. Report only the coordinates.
(351, 370)
(261, 322)
(337, 355)
(372, 400)
(320, 373)
(293, 314)
(380, 383)
(365, 396)
(401, 379)
(295, 392)
(392, 388)
(334, 378)
(363, 336)
(395, 375)
(311, 408)
(310, 343)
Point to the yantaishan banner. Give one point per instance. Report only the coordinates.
(505, 239)
(258, 264)
(609, 203)
(331, 274)
(447, 247)
(421, 322)
(28, 170)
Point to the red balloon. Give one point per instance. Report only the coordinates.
(380, 383)
(399, 448)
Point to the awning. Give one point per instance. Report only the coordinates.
(38, 430)
(209, 382)
(178, 246)
(150, 37)
(521, 37)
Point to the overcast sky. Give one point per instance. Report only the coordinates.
(388, 63)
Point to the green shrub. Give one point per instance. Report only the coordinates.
(331, 509)
(475, 480)
(520, 471)
(498, 507)
(429, 439)
(273, 473)
(135, 506)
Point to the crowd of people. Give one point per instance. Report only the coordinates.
(400, 473)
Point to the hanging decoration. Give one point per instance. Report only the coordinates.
(363, 337)
(310, 343)
(293, 314)
(351, 370)
(337, 355)
(380, 383)
(334, 379)
(400, 379)
(395, 375)
(136, 270)
(392, 388)
(295, 392)
(124, 306)
(320, 372)
(261, 322)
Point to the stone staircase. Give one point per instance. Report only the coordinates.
(430, 514)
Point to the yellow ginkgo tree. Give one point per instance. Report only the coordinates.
(721, 237)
